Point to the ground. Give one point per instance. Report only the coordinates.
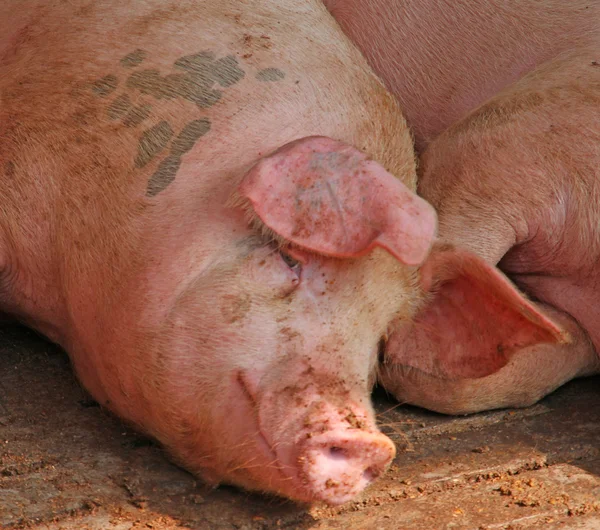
(67, 464)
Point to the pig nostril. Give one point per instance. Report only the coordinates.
(337, 453)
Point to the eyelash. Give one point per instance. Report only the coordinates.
(291, 262)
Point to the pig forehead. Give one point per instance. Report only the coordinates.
(174, 105)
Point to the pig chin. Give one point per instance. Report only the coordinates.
(305, 446)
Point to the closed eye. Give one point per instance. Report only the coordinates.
(291, 262)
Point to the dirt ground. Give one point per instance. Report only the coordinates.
(67, 464)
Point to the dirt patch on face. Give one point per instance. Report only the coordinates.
(235, 307)
(355, 421)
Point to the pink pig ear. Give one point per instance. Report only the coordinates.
(327, 197)
(474, 322)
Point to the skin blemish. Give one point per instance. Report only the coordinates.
(196, 85)
(103, 87)
(137, 115)
(188, 137)
(193, 88)
(152, 142)
(133, 59)
(235, 307)
(270, 74)
(149, 82)
(196, 80)
(226, 71)
(163, 176)
(203, 66)
(354, 421)
(197, 63)
(9, 168)
(119, 107)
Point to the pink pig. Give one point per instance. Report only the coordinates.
(515, 184)
(442, 59)
(221, 292)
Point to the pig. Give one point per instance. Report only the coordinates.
(443, 59)
(184, 212)
(516, 185)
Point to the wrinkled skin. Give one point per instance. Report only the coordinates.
(135, 233)
(516, 184)
(442, 59)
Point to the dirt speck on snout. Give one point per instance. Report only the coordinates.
(354, 421)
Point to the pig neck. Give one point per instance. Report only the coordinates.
(30, 285)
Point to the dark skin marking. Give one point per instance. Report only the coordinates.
(189, 136)
(9, 168)
(148, 82)
(152, 142)
(103, 87)
(270, 74)
(235, 307)
(137, 115)
(186, 139)
(119, 107)
(133, 59)
(197, 63)
(202, 71)
(163, 176)
(199, 74)
(226, 71)
(194, 89)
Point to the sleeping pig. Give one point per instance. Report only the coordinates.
(183, 212)
(516, 185)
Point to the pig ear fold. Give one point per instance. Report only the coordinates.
(327, 197)
(474, 321)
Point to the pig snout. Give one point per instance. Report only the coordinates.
(327, 449)
(339, 463)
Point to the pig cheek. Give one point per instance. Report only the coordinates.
(235, 307)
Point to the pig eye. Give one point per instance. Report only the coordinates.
(291, 262)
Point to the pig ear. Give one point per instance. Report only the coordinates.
(473, 323)
(327, 197)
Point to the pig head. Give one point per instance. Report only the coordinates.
(224, 297)
(280, 333)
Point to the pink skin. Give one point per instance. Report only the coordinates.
(516, 184)
(442, 59)
(188, 303)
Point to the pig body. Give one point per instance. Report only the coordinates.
(138, 231)
(443, 59)
(516, 184)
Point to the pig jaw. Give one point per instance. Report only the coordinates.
(321, 446)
